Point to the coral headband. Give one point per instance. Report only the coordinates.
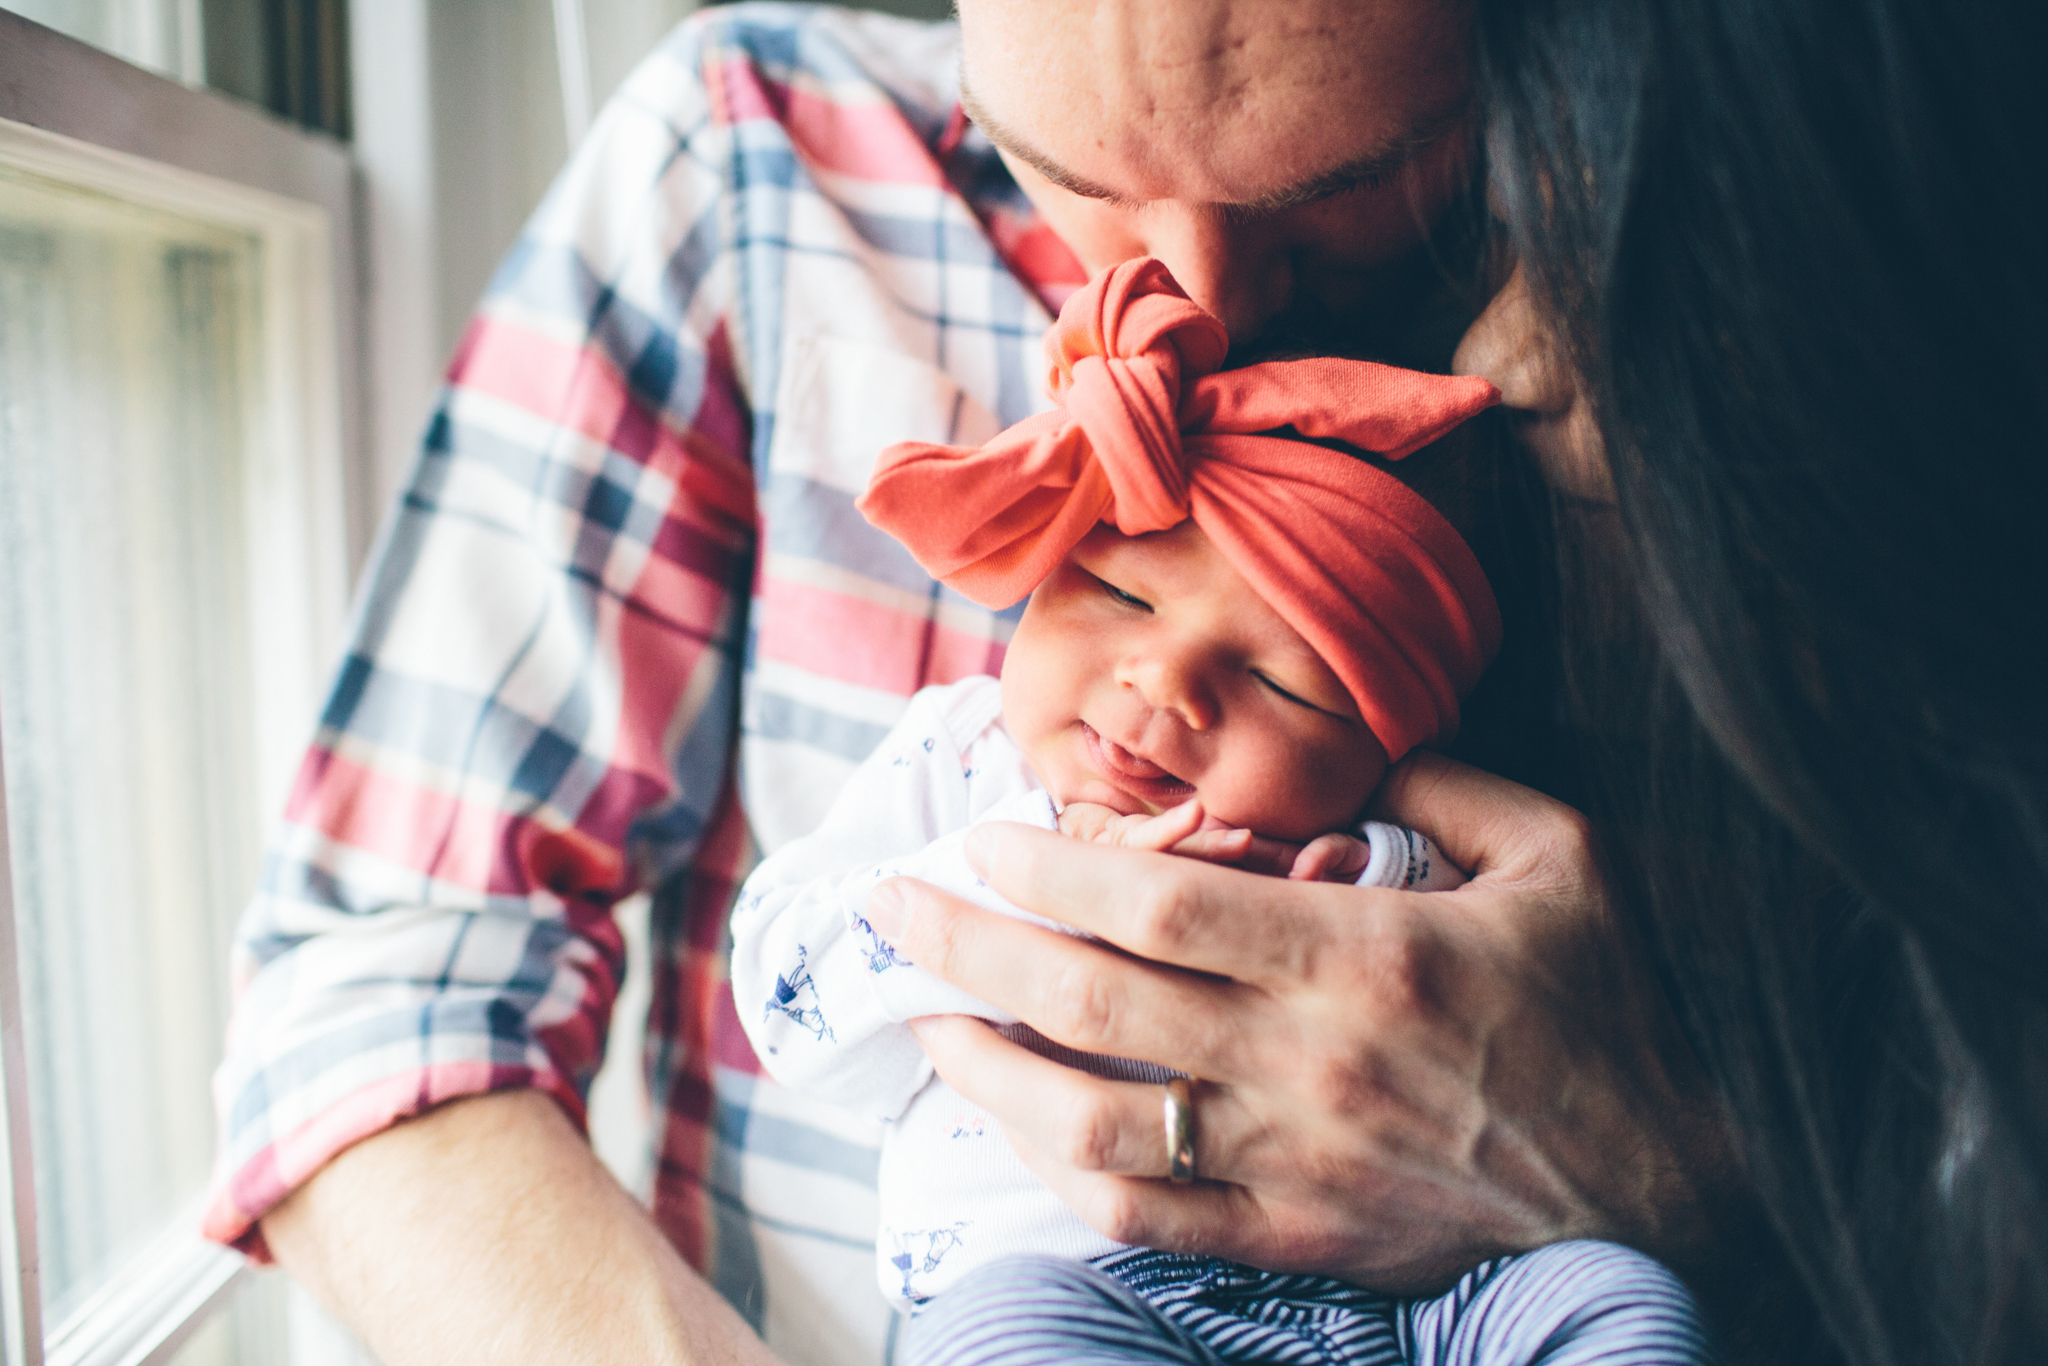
(1148, 433)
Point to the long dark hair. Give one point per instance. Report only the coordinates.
(1795, 249)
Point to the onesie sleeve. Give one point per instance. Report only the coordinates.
(806, 963)
(1406, 860)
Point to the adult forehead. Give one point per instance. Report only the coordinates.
(1217, 101)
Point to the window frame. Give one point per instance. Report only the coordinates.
(61, 86)
(74, 113)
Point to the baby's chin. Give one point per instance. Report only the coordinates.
(1095, 792)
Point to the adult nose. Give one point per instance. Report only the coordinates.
(1509, 345)
(1237, 269)
(1512, 345)
(1170, 680)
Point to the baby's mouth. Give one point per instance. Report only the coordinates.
(1118, 763)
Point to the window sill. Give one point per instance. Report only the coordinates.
(152, 1303)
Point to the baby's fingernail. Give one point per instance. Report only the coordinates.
(889, 910)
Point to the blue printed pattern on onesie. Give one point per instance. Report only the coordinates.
(792, 990)
(879, 952)
(919, 1251)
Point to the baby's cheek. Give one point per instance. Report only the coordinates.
(1353, 781)
(1270, 797)
(1038, 712)
(1024, 695)
(1326, 787)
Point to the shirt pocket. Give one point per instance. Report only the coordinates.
(838, 403)
(846, 626)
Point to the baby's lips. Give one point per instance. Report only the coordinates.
(1131, 765)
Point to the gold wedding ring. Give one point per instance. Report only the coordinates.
(1180, 1131)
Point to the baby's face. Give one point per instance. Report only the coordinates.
(1146, 671)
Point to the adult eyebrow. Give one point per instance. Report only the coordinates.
(1389, 157)
(1009, 142)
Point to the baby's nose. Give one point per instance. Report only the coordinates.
(1170, 682)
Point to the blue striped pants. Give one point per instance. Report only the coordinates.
(1562, 1305)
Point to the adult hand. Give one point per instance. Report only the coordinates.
(1392, 1086)
(486, 1230)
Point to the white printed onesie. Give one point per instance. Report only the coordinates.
(825, 999)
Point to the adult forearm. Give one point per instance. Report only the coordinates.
(486, 1230)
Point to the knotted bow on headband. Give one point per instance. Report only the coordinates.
(1149, 433)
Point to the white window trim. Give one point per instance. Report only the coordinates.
(296, 470)
(239, 164)
(157, 1301)
(73, 114)
(158, 1298)
(21, 1283)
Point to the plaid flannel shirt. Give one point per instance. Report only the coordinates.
(626, 629)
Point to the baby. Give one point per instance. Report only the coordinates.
(1230, 635)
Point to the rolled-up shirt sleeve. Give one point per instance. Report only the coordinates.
(534, 714)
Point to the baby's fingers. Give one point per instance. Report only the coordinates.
(1331, 858)
(1089, 821)
(1215, 846)
(1239, 849)
(1157, 834)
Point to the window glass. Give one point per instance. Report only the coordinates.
(290, 58)
(128, 350)
(163, 35)
(252, 1330)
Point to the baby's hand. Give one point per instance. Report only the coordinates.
(1331, 858)
(1104, 825)
(1186, 830)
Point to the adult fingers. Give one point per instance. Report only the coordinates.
(1088, 1123)
(1074, 991)
(1164, 909)
(1073, 1129)
(1416, 1255)
(1213, 1218)
(1486, 824)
